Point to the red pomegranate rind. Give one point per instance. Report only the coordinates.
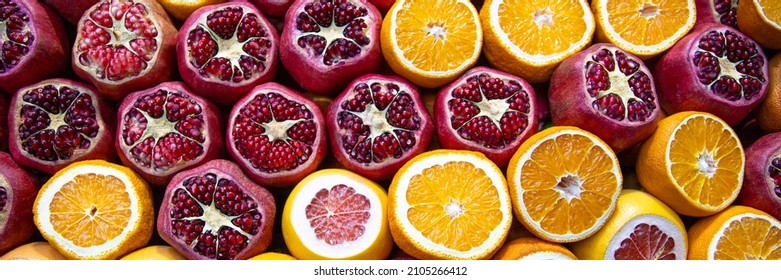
(33, 44)
(273, 8)
(338, 214)
(382, 5)
(276, 135)
(215, 212)
(166, 129)
(71, 10)
(377, 124)
(714, 69)
(327, 43)
(225, 50)
(762, 182)
(18, 190)
(608, 92)
(4, 103)
(487, 111)
(124, 46)
(646, 242)
(57, 122)
(717, 11)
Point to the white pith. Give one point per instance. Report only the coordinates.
(706, 164)
(454, 209)
(649, 10)
(494, 109)
(543, 17)
(643, 49)
(305, 232)
(762, 13)
(546, 256)
(495, 238)
(8, 202)
(668, 227)
(538, 59)
(277, 131)
(44, 215)
(569, 187)
(712, 246)
(330, 34)
(437, 30)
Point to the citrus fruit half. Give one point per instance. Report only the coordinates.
(769, 111)
(38, 250)
(532, 248)
(761, 20)
(737, 233)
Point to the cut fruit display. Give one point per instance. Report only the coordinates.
(532, 248)
(337, 214)
(694, 163)
(564, 183)
(530, 39)
(439, 195)
(737, 233)
(641, 228)
(761, 19)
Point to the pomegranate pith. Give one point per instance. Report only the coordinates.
(18, 189)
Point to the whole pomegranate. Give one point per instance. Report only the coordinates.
(57, 122)
(377, 124)
(608, 92)
(18, 190)
(166, 129)
(215, 212)
(33, 44)
(124, 46)
(327, 43)
(488, 111)
(71, 10)
(717, 11)
(225, 50)
(762, 182)
(276, 135)
(714, 69)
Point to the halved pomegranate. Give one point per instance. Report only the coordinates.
(4, 100)
(57, 122)
(18, 190)
(327, 43)
(124, 46)
(488, 111)
(167, 129)
(714, 69)
(225, 50)
(33, 44)
(276, 135)
(762, 182)
(71, 10)
(717, 11)
(215, 212)
(608, 92)
(377, 124)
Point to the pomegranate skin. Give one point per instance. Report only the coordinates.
(21, 188)
(758, 188)
(228, 170)
(308, 69)
(223, 93)
(680, 90)
(48, 55)
(383, 5)
(101, 146)
(273, 8)
(71, 10)
(570, 103)
(706, 13)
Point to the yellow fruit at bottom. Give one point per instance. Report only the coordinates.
(273, 256)
(34, 251)
(156, 252)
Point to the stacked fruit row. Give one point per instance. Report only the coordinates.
(345, 129)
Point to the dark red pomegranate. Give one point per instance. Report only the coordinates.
(71, 10)
(4, 100)
(273, 8)
(762, 181)
(18, 190)
(225, 50)
(717, 11)
(33, 44)
(276, 135)
(167, 129)
(215, 212)
(488, 111)
(377, 124)
(57, 122)
(327, 43)
(714, 69)
(124, 46)
(608, 92)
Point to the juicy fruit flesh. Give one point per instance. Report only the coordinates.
(275, 133)
(212, 215)
(620, 89)
(774, 171)
(770, 9)
(118, 40)
(449, 200)
(56, 122)
(379, 122)
(749, 238)
(230, 45)
(338, 215)
(729, 65)
(163, 129)
(651, 22)
(489, 111)
(559, 24)
(16, 38)
(727, 11)
(333, 29)
(646, 242)
(91, 209)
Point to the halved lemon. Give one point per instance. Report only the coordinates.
(761, 20)
(532, 248)
(737, 233)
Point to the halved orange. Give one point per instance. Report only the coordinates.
(94, 209)
(564, 183)
(449, 204)
(694, 163)
(531, 38)
(532, 248)
(431, 43)
(737, 233)
(761, 20)
(642, 27)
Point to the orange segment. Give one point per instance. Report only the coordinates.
(737, 233)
